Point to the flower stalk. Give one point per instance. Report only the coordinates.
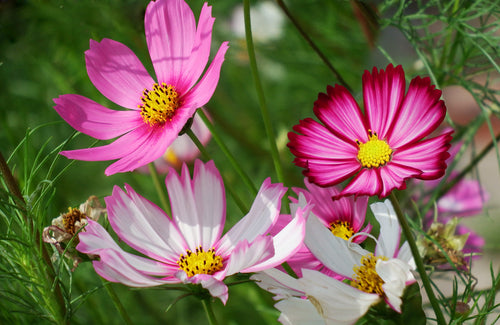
(418, 259)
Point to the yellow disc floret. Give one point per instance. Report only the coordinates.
(365, 277)
(159, 104)
(341, 229)
(200, 262)
(375, 152)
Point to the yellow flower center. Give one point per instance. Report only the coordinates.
(341, 229)
(365, 277)
(159, 104)
(69, 219)
(373, 153)
(200, 262)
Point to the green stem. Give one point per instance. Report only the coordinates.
(116, 301)
(160, 189)
(207, 306)
(418, 259)
(313, 45)
(248, 182)
(260, 93)
(206, 155)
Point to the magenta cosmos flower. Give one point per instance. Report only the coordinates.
(188, 247)
(382, 147)
(344, 217)
(157, 110)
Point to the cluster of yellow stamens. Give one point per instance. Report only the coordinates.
(69, 219)
(159, 104)
(200, 262)
(341, 229)
(365, 277)
(375, 152)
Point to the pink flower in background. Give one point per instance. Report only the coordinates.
(182, 149)
(157, 110)
(344, 217)
(381, 148)
(188, 248)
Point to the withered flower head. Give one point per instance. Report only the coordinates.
(68, 224)
(451, 244)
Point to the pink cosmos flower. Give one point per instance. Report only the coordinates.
(381, 148)
(188, 247)
(344, 217)
(157, 110)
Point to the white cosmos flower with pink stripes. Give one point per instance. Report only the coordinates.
(156, 110)
(189, 246)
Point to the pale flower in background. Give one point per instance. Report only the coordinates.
(267, 22)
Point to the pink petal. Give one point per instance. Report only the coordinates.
(259, 220)
(121, 147)
(201, 48)
(286, 243)
(328, 172)
(152, 147)
(315, 141)
(341, 114)
(170, 33)
(93, 119)
(420, 114)
(198, 206)
(367, 182)
(144, 226)
(394, 176)
(117, 72)
(429, 156)
(383, 93)
(201, 93)
(216, 287)
(117, 265)
(245, 255)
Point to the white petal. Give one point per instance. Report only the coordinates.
(261, 217)
(143, 225)
(336, 301)
(298, 311)
(390, 231)
(245, 255)
(198, 206)
(395, 273)
(279, 283)
(286, 243)
(335, 253)
(405, 255)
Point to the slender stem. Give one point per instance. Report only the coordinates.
(159, 188)
(260, 94)
(248, 182)
(313, 45)
(207, 306)
(206, 155)
(418, 259)
(116, 301)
